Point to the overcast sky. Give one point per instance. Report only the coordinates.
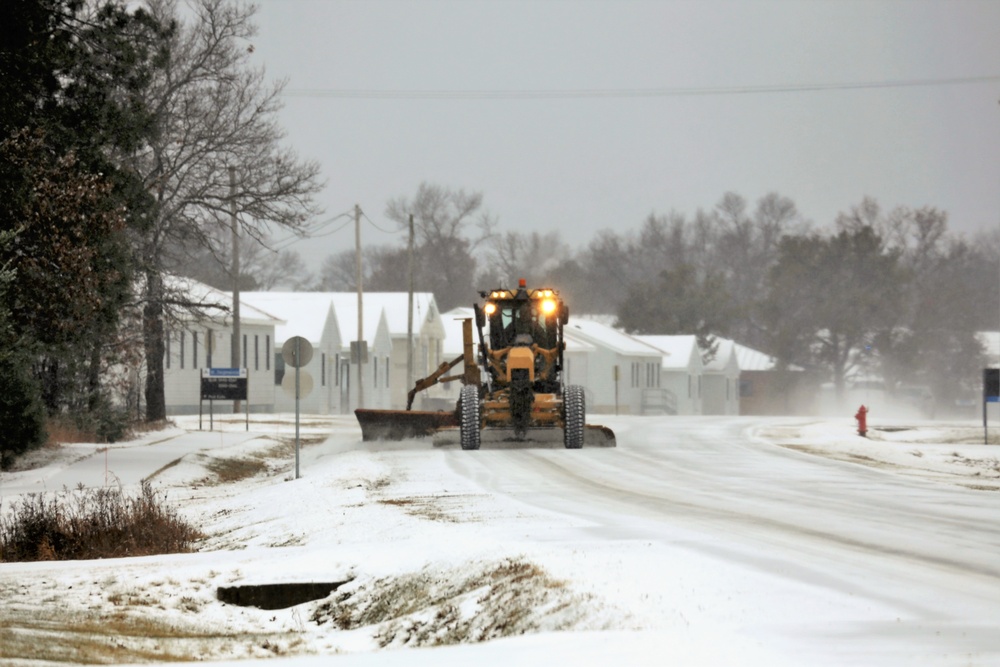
(578, 116)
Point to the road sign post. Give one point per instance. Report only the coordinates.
(297, 352)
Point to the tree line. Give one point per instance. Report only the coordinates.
(881, 293)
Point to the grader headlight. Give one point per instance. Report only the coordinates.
(548, 306)
(490, 308)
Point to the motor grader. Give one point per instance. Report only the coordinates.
(513, 388)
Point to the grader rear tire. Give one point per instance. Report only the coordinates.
(574, 416)
(470, 420)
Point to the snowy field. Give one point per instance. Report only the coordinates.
(697, 541)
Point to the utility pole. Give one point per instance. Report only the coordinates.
(409, 314)
(235, 357)
(361, 330)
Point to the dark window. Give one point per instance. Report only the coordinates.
(267, 352)
(256, 352)
(194, 348)
(279, 368)
(322, 369)
(245, 351)
(166, 346)
(181, 355)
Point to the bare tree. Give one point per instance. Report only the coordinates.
(262, 268)
(530, 256)
(450, 225)
(214, 113)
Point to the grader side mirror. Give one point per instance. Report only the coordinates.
(564, 315)
(480, 316)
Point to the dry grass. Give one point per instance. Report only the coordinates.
(92, 523)
(237, 469)
(228, 471)
(512, 597)
(122, 637)
(63, 431)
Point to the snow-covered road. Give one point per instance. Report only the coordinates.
(927, 552)
(697, 540)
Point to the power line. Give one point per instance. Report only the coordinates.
(372, 222)
(624, 93)
(311, 231)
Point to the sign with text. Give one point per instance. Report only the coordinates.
(991, 385)
(223, 384)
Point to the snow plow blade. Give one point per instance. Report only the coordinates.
(402, 424)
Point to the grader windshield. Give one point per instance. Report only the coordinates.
(523, 318)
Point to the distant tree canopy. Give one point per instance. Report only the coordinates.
(449, 227)
(890, 294)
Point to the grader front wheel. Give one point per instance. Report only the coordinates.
(470, 418)
(574, 416)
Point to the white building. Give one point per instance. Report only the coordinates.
(199, 335)
(681, 371)
(428, 339)
(372, 387)
(311, 316)
(623, 373)
(721, 381)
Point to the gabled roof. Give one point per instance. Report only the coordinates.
(304, 313)
(345, 305)
(725, 356)
(597, 333)
(395, 305)
(679, 352)
(208, 303)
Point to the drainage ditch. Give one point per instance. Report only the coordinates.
(277, 596)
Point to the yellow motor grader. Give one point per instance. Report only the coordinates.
(512, 389)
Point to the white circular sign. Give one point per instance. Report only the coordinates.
(305, 352)
(305, 383)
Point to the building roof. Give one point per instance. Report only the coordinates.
(678, 351)
(725, 357)
(753, 360)
(594, 332)
(304, 313)
(395, 305)
(209, 303)
(345, 305)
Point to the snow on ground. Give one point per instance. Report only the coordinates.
(421, 549)
(949, 452)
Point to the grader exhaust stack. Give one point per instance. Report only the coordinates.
(513, 390)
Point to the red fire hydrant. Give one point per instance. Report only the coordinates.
(862, 418)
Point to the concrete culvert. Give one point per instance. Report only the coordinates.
(277, 596)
